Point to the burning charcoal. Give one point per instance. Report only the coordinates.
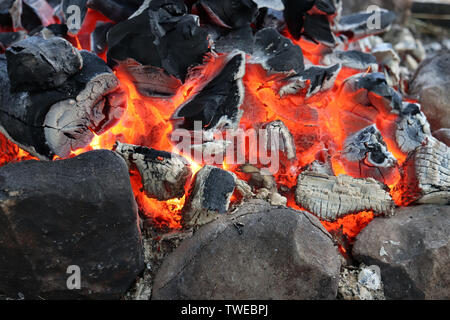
(286, 144)
(169, 44)
(164, 175)
(352, 59)
(119, 10)
(42, 9)
(71, 212)
(98, 37)
(314, 79)
(238, 39)
(366, 155)
(389, 59)
(360, 25)
(331, 197)
(317, 27)
(7, 39)
(216, 104)
(56, 122)
(209, 196)
(277, 53)
(412, 128)
(36, 64)
(74, 12)
(254, 254)
(426, 175)
(231, 14)
(294, 15)
(50, 31)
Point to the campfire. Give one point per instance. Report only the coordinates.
(214, 105)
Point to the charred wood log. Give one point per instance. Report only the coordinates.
(317, 27)
(98, 37)
(58, 121)
(216, 104)
(209, 196)
(331, 197)
(284, 140)
(231, 14)
(312, 80)
(352, 59)
(115, 10)
(366, 155)
(164, 175)
(426, 175)
(294, 15)
(36, 64)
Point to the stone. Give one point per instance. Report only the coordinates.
(79, 212)
(412, 249)
(260, 252)
(431, 87)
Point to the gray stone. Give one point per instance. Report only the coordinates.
(259, 252)
(412, 249)
(58, 214)
(431, 87)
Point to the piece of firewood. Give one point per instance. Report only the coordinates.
(164, 175)
(331, 197)
(285, 141)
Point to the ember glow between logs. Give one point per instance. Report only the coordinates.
(318, 124)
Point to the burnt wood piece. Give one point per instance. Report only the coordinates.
(116, 10)
(53, 30)
(164, 175)
(365, 155)
(170, 43)
(209, 196)
(360, 25)
(98, 37)
(70, 9)
(216, 104)
(294, 15)
(284, 141)
(426, 175)
(20, 14)
(331, 197)
(328, 7)
(413, 128)
(36, 64)
(313, 80)
(352, 59)
(236, 39)
(277, 5)
(71, 212)
(7, 39)
(42, 9)
(317, 27)
(277, 53)
(231, 14)
(56, 122)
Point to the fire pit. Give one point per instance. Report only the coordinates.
(245, 149)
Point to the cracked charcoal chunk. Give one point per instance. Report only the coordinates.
(161, 40)
(231, 14)
(217, 103)
(352, 59)
(294, 15)
(356, 26)
(314, 79)
(276, 52)
(331, 197)
(164, 175)
(317, 27)
(210, 195)
(327, 6)
(36, 64)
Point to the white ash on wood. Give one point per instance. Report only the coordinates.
(164, 175)
(331, 197)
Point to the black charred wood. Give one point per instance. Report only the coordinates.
(294, 15)
(231, 14)
(115, 10)
(99, 37)
(9, 38)
(317, 27)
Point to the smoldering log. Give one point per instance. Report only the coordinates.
(426, 175)
(37, 64)
(209, 196)
(352, 59)
(58, 121)
(278, 138)
(164, 175)
(216, 104)
(116, 10)
(365, 155)
(167, 40)
(312, 80)
(412, 128)
(331, 198)
(360, 25)
(277, 53)
(228, 14)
